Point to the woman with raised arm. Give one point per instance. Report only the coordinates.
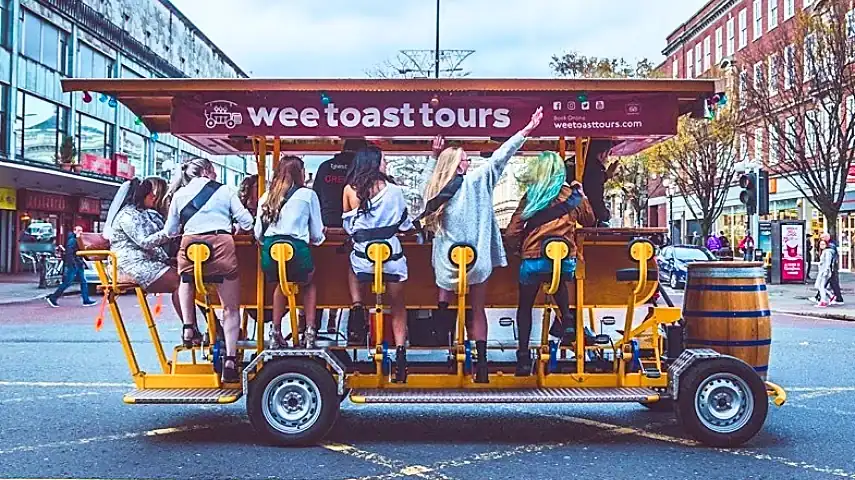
(460, 210)
(550, 208)
(289, 211)
(203, 210)
(375, 210)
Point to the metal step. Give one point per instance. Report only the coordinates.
(493, 395)
(166, 396)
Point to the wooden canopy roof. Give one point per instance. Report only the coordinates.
(154, 101)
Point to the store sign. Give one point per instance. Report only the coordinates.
(465, 114)
(792, 253)
(8, 199)
(90, 206)
(46, 202)
(95, 164)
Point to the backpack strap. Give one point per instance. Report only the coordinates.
(291, 191)
(441, 198)
(552, 213)
(379, 233)
(199, 201)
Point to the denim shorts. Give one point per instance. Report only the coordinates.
(539, 270)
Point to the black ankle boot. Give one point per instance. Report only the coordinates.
(357, 326)
(401, 365)
(523, 363)
(230, 374)
(481, 372)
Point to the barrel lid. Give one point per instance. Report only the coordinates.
(723, 265)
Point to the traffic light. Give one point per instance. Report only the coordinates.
(763, 193)
(748, 195)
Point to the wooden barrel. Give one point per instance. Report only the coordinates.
(726, 308)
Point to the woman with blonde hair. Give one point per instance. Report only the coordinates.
(459, 209)
(290, 212)
(203, 210)
(550, 208)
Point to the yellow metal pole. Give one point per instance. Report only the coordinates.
(562, 147)
(123, 338)
(152, 329)
(260, 147)
(277, 149)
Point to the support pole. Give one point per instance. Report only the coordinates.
(260, 147)
(436, 52)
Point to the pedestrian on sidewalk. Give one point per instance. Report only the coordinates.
(73, 271)
(834, 281)
(746, 245)
(823, 276)
(808, 255)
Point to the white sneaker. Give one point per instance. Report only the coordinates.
(837, 302)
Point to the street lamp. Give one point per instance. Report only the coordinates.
(669, 190)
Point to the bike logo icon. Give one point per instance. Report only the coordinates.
(219, 112)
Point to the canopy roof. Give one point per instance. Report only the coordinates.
(221, 116)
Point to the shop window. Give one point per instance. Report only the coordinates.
(94, 136)
(164, 160)
(4, 23)
(43, 42)
(134, 146)
(38, 129)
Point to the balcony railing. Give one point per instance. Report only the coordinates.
(97, 24)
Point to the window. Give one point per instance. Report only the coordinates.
(42, 42)
(743, 86)
(810, 56)
(850, 116)
(758, 145)
(789, 66)
(758, 18)
(731, 37)
(689, 63)
(164, 158)
(4, 23)
(811, 120)
(789, 9)
(759, 78)
(675, 69)
(94, 137)
(133, 146)
(773, 14)
(807, 3)
(774, 145)
(743, 147)
(719, 45)
(93, 64)
(790, 139)
(850, 24)
(39, 128)
(707, 54)
(774, 63)
(699, 60)
(743, 28)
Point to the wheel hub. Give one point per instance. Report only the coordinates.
(291, 403)
(724, 403)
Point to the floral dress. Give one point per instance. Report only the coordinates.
(136, 242)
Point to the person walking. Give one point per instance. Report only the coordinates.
(73, 271)
(808, 255)
(823, 276)
(834, 281)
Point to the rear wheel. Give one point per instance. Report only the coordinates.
(293, 402)
(722, 402)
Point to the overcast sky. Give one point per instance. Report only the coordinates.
(511, 38)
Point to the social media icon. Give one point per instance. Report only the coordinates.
(556, 106)
(600, 105)
(571, 105)
(586, 105)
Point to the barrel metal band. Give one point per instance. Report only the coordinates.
(728, 343)
(727, 273)
(727, 288)
(727, 314)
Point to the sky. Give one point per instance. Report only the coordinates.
(511, 38)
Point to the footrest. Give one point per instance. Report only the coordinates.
(168, 396)
(491, 395)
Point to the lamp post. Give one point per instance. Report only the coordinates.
(669, 190)
(436, 59)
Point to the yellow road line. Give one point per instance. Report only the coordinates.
(399, 469)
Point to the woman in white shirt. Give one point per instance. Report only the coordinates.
(290, 212)
(209, 221)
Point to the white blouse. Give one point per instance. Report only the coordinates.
(217, 213)
(299, 217)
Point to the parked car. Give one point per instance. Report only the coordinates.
(673, 262)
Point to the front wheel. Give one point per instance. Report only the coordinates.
(722, 402)
(293, 402)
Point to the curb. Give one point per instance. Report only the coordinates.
(828, 316)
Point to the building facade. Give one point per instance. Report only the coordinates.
(42, 196)
(726, 32)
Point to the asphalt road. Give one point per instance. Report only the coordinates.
(61, 416)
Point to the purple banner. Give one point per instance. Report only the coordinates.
(420, 114)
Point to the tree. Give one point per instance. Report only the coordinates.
(800, 91)
(575, 65)
(631, 180)
(701, 161)
(407, 172)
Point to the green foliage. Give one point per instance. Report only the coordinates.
(67, 150)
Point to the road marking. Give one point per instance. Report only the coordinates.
(825, 410)
(49, 397)
(692, 443)
(817, 394)
(65, 384)
(121, 436)
(399, 468)
(820, 389)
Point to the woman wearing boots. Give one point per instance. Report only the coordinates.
(375, 210)
(550, 208)
(289, 211)
(468, 217)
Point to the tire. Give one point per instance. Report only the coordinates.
(300, 388)
(721, 379)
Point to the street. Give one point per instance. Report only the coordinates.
(61, 386)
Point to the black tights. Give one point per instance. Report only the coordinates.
(528, 294)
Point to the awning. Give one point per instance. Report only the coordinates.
(20, 175)
(221, 115)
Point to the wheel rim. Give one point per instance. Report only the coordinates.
(673, 281)
(291, 403)
(724, 403)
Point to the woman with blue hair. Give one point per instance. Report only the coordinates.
(550, 208)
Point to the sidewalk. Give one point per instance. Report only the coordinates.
(24, 287)
(799, 299)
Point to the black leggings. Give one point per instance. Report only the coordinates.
(528, 294)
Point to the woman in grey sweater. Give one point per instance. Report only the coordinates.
(468, 217)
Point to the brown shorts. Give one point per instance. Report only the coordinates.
(223, 261)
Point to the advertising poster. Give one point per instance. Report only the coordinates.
(792, 253)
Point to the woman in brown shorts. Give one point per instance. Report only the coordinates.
(203, 210)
